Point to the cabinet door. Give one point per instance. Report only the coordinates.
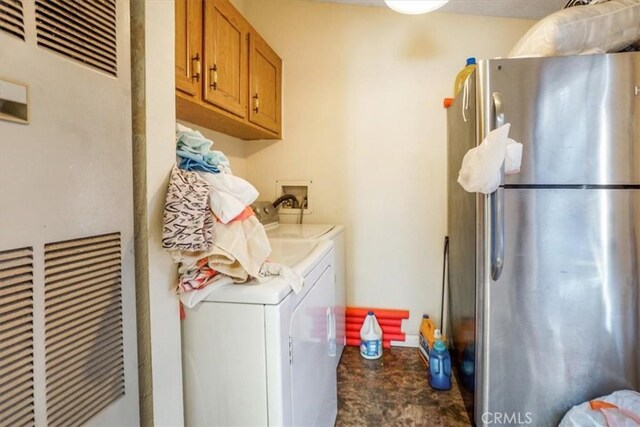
(265, 75)
(188, 46)
(225, 56)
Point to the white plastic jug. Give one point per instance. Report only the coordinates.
(371, 337)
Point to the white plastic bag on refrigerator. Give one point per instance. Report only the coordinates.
(513, 157)
(480, 171)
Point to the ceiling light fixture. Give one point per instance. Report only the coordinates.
(415, 7)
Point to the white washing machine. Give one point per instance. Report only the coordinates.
(313, 232)
(259, 354)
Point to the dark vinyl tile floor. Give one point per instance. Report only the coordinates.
(394, 391)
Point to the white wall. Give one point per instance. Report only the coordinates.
(164, 321)
(363, 119)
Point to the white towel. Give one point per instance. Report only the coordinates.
(240, 249)
(229, 195)
(191, 298)
(285, 273)
(269, 269)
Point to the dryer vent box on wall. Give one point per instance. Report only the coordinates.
(300, 189)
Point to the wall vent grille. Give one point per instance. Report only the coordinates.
(83, 328)
(16, 337)
(11, 17)
(83, 30)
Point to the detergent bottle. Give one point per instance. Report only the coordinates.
(371, 337)
(439, 364)
(463, 75)
(426, 338)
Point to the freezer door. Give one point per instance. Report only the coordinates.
(578, 117)
(562, 323)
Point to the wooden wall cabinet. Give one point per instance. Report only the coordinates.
(225, 58)
(265, 79)
(188, 47)
(228, 79)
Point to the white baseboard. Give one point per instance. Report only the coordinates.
(409, 341)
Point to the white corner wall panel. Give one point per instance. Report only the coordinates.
(64, 176)
(167, 397)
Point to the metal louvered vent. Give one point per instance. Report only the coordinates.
(16, 337)
(83, 328)
(83, 30)
(11, 17)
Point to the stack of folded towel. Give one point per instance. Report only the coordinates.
(195, 154)
(209, 226)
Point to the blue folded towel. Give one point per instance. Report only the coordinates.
(193, 165)
(192, 145)
(193, 141)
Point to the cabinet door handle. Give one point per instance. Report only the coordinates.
(214, 77)
(256, 103)
(196, 67)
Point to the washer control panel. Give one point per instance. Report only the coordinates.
(265, 212)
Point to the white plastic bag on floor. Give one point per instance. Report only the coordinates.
(620, 409)
(480, 171)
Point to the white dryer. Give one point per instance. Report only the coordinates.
(313, 232)
(259, 354)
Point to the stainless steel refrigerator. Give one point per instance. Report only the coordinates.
(544, 273)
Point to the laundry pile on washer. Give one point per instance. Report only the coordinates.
(209, 227)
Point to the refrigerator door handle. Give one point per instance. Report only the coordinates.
(497, 203)
(497, 232)
(498, 106)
